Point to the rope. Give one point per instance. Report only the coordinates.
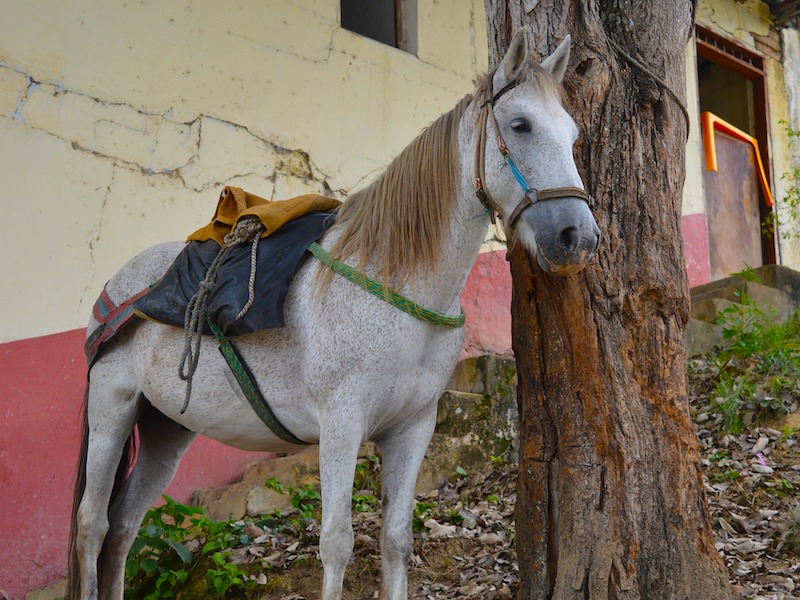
(632, 61)
(196, 314)
(390, 296)
(252, 227)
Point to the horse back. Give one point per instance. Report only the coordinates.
(138, 274)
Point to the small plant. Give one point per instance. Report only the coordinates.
(274, 484)
(455, 516)
(305, 499)
(422, 512)
(719, 456)
(176, 540)
(227, 576)
(787, 433)
(497, 460)
(159, 560)
(759, 367)
(367, 475)
(729, 475)
(365, 502)
(785, 216)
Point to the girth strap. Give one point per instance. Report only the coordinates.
(249, 388)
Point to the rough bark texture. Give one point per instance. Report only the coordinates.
(610, 499)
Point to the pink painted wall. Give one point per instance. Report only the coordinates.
(694, 230)
(486, 300)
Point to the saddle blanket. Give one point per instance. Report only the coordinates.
(291, 226)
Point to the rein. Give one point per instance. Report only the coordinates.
(532, 196)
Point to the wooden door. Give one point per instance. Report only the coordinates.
(732, 206)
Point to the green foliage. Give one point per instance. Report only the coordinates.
(227, 576)
(159, 558)
(306, 500)
(497, 460)
(366, 484)
(785, 216)
(176, 540)
(759, 367)
(422, 512)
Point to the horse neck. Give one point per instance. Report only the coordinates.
(468, 227)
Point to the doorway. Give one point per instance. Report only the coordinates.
(732, 86)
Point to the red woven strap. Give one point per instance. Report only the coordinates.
(112, 318)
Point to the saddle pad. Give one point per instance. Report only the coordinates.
(279, 256)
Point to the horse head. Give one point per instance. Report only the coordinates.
(533, 180)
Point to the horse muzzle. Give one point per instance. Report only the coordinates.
(567, 236)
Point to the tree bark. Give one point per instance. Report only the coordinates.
(610, 501)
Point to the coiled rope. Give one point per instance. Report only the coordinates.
(248, 229)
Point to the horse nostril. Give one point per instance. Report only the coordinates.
(568, 239)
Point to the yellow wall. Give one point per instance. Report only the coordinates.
(120, 122)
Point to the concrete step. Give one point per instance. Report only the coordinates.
(777, 294)
(709, 308)
(774, 302)
(702, 337)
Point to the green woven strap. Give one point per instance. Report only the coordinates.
(249, 388)
(392, 297)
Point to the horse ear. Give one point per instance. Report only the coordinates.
(557, 62)
(513, 61)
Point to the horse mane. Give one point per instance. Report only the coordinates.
(400, 220)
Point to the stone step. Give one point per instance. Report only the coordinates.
(771, 301)
(777, 295)
(778, 277)
(707, 309)
(702, 337)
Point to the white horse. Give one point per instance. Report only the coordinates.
(347, 367)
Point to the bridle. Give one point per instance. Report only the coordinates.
(532, 196)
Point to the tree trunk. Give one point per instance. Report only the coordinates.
(610, 501)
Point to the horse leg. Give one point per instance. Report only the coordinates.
(113, 406)
(162, 443)
(402, 452)
(338, 453)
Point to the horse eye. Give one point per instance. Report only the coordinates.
(521, 126)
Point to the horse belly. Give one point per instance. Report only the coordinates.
(217, 408)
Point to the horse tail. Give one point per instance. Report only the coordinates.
(123, 470)
(73, 569)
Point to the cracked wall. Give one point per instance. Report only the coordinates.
(121, 122)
